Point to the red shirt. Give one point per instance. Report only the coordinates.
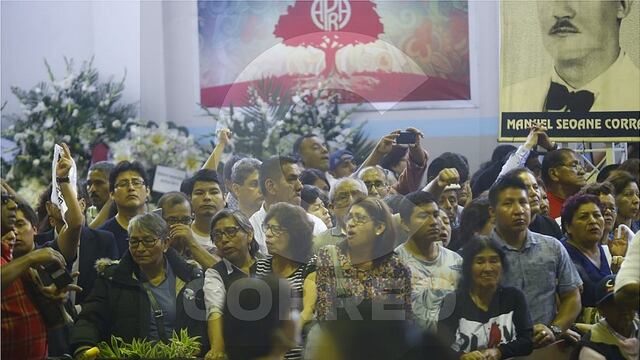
(555, 205)
(24, 335)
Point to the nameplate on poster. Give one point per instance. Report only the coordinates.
(618, 126)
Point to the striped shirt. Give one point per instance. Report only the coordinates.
(296, 281)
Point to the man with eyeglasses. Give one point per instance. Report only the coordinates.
(341, 196)
(563, 175)
(375, 180)
(279, 182)
(129, 191)
(175, 209)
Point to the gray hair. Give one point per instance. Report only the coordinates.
(243, 168)
(173, 198)
(150, 223)
(359, 183)
(378, 168)
(103, 167)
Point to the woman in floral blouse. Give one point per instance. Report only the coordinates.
(361, 276)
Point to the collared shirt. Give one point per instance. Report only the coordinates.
(540, 268)
(555, 205)
(431, 281)
(623, 72)
(330, 237)
(258, 218)
(24, 335)
(604, 86)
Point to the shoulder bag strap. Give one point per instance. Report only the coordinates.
(158, 314)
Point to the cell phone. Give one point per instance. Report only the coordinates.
(59, 275)
(406, 137)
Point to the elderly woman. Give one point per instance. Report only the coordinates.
(488, 321)
(583, 225)
(232, 235)
(363, 268)
(142, 295)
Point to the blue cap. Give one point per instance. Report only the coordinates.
(338, 157)
(604, 289)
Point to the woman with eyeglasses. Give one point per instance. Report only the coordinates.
(289, 237)
(232, 234)
(363, 269)
(482, 319)
(142, 295)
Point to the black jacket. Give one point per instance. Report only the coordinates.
(94, 245)
(119, 305)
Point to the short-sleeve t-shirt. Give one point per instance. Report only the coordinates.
(431, 281)
(119, 233)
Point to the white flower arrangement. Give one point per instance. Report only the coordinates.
(159, 144)
(79, 110)
(274, 120)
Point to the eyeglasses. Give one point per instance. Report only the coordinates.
(136, 183)
(342, 199)
(357, 220)
(377, 184)
(612, 209)
(276, 230)
(185, 220)
(576, 166)
(147, 242)
(6, 198)
(231, 231)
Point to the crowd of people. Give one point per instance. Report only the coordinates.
(315, 256)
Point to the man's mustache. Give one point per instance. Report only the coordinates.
(563, 25)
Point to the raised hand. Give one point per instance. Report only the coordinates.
(448, 177)
(64, 162)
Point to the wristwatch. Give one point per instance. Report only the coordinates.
(556, 330)
(61, 180)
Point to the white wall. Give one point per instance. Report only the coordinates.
(36, 30)
(157, 43)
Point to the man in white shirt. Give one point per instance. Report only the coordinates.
(206, 196)
(278, 179)
(590, 71)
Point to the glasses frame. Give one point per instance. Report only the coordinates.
(125, 184)
(146, 244)
(218, 235)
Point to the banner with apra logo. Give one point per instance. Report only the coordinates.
(571, 66)
(372, 51)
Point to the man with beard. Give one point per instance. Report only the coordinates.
(129, 190)
(435, 270)
(98, 189)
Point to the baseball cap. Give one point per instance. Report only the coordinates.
(338, 157)
(604, 289)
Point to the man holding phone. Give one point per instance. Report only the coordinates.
(411, 178)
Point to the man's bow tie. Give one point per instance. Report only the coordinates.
(559, 97)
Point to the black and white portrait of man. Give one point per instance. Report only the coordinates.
(589, 68)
